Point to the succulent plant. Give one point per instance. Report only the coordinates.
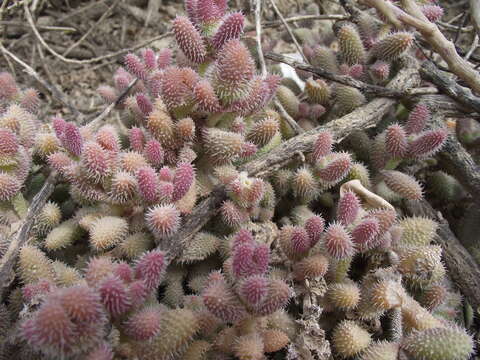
(109, 270)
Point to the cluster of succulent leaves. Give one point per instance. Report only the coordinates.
(367, 50)
(18, 124)
(95, 281)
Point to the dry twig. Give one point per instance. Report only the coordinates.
(475, 14)
(364, 117)
(96, 121)
(153, 6)
(258, 37)
(290, 32)
(83, 9)
(473, 47)
(464, 95)
(91, 29)
(88, 61)
(194, 222)
(39, 27)
(458, 161)
(342, 79)
(39, 37)
(293, 19)
(291, 121)
(447, 26)
(453, 156)
(258, 30)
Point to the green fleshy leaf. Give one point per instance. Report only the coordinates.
(20, 205)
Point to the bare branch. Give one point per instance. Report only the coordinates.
(258, 31)
(459, 162)
(447, 26)
(194, 222)
(92, 28)
(449, 86)
(291, 121)
(453, 156)
(40, 27)
(290, 32)
(473, 47)
(342, 79)
(475, 13)
(31, 22)
(94, 122)
(152, 10)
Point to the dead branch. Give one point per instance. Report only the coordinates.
(290, 32)
(333, 17)
(291, 121)
(414, 17)
(152, 10)
(449, 86)
(462, 268)
(342, 79)
(258, 31)
(475, 14)
(142, 16)
(258, 37)
(364, 117)
(39, 27)
(39, 37)
(446, 26)
(96, 121)
(444, 104)
(459, 162)
(473, 47)
(85, 11)
(194, 222)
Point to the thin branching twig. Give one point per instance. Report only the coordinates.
(342, 79)
(462, 268)
(449, 86)
(87, 61)
(291, 121)
(258, 37)
(475, 14)
(290, 32)
(92, 28)
(96, 121)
